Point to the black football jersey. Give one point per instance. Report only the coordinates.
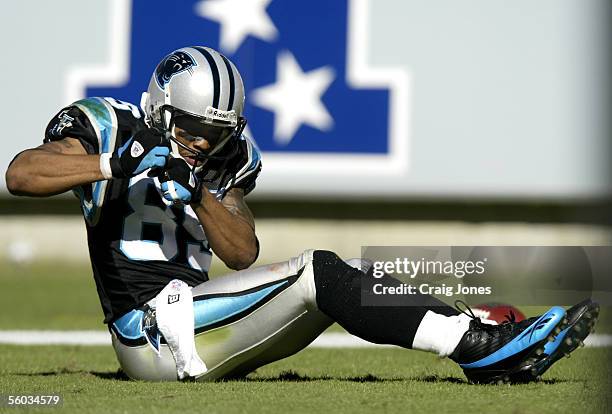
(137, 243)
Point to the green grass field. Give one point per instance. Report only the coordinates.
(61, 296)
(317, 380)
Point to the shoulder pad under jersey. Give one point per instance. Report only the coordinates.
(95, 122)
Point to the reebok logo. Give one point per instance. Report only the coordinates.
(136, 150)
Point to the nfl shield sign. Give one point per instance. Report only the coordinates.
(314, 105)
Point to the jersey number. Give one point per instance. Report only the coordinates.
(170, 242)
(124, 106)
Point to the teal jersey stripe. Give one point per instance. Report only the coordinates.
(100, 117)
(104, 123)
(130, 324)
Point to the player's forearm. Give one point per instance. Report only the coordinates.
(42, 173)
(231, 238)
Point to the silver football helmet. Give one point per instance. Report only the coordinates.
(202, 84)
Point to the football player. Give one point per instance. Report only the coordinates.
(162, 186)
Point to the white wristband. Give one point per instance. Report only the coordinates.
(105, 167)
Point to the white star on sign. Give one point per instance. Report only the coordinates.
(295, 98)
(238, 19)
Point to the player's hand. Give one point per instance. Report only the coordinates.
(178, 183)
(148, 148)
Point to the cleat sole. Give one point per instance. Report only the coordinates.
(576, 334)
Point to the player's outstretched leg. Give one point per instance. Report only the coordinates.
(513, 351)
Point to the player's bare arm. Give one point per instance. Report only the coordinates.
(230, 227)
(63, 164)
(234, 202)
(52, 168)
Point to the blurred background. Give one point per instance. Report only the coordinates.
(394, 122)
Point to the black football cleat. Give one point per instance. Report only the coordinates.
(499, 353)
(578, 324)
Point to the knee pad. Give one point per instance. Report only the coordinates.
(334, 284)
(334, 279)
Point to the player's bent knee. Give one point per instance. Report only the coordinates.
(329, 269)
(333, 277)
(321, 273)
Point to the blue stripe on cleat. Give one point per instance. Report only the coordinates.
(535, 333)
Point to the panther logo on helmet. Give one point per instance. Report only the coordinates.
(173, 64)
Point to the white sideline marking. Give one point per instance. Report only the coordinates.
(89, 338)
(32, 337)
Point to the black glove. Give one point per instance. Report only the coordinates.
(178, 183)
(148, 148)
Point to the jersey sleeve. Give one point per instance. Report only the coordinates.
(239, 170)
(72, 122)
(89, 120)
(248, 165)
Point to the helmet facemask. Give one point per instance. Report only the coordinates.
(182, 127)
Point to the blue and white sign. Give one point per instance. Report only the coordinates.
(351, 99)
(313, 105)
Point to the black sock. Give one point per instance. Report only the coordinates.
(340, 288)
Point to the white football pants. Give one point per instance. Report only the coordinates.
(242, 321)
